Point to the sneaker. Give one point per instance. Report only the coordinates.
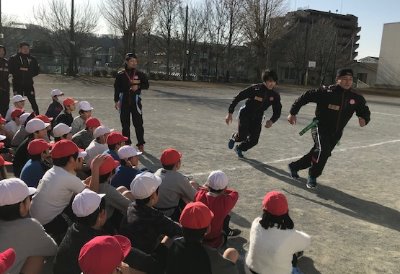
(311, 182)
(231, 142)
(233, 232)
(238, 152)
(140, 148)
(293, 172)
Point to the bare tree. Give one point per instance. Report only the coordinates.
(260, 28)
(130, 18)
(56, 16)
(166, 14)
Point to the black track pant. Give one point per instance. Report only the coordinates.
(30, 94)
(137, 120)
(249, 132)
(4, 102)
(318, 155)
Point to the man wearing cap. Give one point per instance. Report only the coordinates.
(18, 102)
(4, 84)
(51, 206)
(66, 115)
(336, 104)
(115, 140)
(189, 255)
(55, 106)
(24, 67)
(259, 98)
(38, 164)
(128, 87)
(126, 172)
(85, 112)
(12, 126)
(37, 129)
(83, 138)
(21, 232)
(61, 132)
(98, 145)
(176, 189)
(144, 225)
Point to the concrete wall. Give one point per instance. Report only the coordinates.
(389, 57)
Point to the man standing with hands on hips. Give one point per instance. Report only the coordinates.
(127, 90)
(23, 68)
(336, 104)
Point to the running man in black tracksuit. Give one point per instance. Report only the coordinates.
(24, 67)
(127, 89)
(4, 84)
(335, 106)
(259, 98)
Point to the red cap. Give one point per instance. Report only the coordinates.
(196, 215)
(2, 120)
(170, 156)
(7, 259)
(44, 118)
(108, 165)
(92, 122)
(69, 101)
(4, 163)
(103, 254)
(115, 138)
(16, 113)
(37, 146)
(275, 203)
(64, 148)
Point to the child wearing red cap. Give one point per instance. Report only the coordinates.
(274, 243)
(83, 138)
(176, 189)
(38, 164)
(115, 140)
(51, 206)
(190, 255)
(14, 124)
(3, 163)
(220, 200)
(66, 115)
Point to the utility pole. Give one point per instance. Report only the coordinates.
(72, 58)
(185, 49)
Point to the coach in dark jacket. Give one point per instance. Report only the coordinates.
(4, 84)
(24, 67)
(336, 104)
(128, 87)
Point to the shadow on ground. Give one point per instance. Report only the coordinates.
(355, 207)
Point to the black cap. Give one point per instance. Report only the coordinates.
(130, 55)
(24, 44)
(344, 72)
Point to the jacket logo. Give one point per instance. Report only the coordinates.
(334, 107)
(257, 98)
(352, 102)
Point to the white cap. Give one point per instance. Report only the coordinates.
(82, 154)
(17, 98)
(34, 125)
(2, 137)
(13, 191)
(126, 152)
(217, 180)
(101, 130)
(23, 117)
(86, 202)
(61, 129)
(144, 184)
(56, 92)
(85, 106)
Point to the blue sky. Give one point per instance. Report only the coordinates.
(372, 14)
